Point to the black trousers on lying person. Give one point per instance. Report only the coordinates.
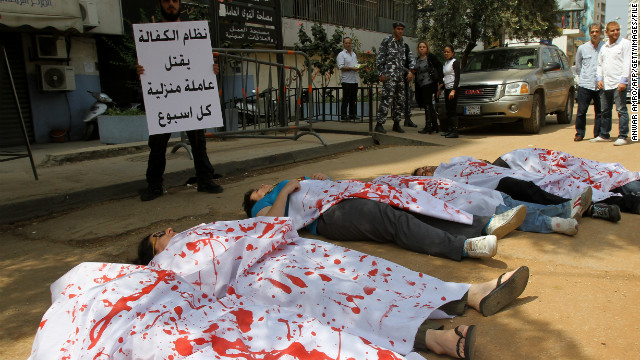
(524, 190)
(370, 220)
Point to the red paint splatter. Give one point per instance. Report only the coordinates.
(325, 277)
(337, 261)
(369, 290)
(183, 346)
(296, 280)
(244, 318)
(280, 285)
(373, 272)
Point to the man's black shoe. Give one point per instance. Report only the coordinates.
(397, 128)
(210, 187)
(425, 131)
(409, 123)
(149, 193)
(380, 129)
(445, 133)
(452, 135)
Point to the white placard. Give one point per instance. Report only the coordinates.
(179, 86)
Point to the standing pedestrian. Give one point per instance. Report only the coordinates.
(428, 71)
(170, 10)
(391, 67)
(347, 63)
(614, 64)
(586, 67)
(451, 71)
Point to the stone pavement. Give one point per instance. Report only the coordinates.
(81, 172)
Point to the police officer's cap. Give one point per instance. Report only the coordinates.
(398, 23)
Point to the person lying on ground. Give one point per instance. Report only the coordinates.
(525, 186)
(611, 177)
(355, 211)
(562, 218)
(246, 286)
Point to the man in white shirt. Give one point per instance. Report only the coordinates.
(586, 67)
(347, 63)
(614, 64)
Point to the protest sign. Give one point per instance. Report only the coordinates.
(178, 84)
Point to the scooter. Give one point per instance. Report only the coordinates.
(103, 101)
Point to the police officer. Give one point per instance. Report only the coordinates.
(391, 67)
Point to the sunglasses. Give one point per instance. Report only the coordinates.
(155, 237)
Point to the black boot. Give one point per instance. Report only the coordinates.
(409, 123)
(426, 130)
(452, 135)
(380, 128)
(397, 128)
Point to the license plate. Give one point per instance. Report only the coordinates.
(472, 110)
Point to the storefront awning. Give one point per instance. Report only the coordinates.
(62, 15)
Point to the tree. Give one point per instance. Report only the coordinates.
(462, 23)
(321, 48)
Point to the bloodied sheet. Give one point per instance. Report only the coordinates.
(249, 289)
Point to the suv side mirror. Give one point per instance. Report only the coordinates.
(551, 66)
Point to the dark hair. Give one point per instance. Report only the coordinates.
(415, 172)
(145, 251)
(598, 25)
(248, 202)
(450, 48)
(345, 38)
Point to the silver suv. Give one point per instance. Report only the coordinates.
(516, 83)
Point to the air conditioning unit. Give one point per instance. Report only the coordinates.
(89, 12)
(57, 78)
(50, 47)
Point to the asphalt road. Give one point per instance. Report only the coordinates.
(580, 303)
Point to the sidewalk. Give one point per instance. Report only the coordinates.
(82, 172)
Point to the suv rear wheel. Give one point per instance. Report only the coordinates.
(565, 116)
(533, 124)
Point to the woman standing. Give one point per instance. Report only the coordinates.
(451, 72)
(428, 75)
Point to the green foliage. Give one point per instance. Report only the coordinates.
(463, 23)
(369, 72)
(321, 48)
(124, 112)
(125, 47)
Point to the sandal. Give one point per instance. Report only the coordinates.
(469, 342)
(505, 292)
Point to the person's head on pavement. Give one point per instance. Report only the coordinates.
(170, 10)
(152, 244)
(253, 195)
(424, 171)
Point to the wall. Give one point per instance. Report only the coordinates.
(62, 109)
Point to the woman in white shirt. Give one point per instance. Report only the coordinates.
(451, 70)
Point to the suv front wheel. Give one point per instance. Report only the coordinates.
(533, 124)
(565, 116)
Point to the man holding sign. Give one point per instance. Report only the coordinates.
(180, 92)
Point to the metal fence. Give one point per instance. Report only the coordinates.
(376, 15)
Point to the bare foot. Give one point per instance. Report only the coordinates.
(446, 341)
(477, 292)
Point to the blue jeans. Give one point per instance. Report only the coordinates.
(584, 99)
(539, 216)
(607, 98)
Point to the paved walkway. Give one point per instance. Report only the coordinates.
(81, 172)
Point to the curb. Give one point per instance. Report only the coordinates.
(48, 205)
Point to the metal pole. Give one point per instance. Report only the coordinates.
(24, 129)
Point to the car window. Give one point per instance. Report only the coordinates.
(565, 60)
(502, 60)
(546, 56)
